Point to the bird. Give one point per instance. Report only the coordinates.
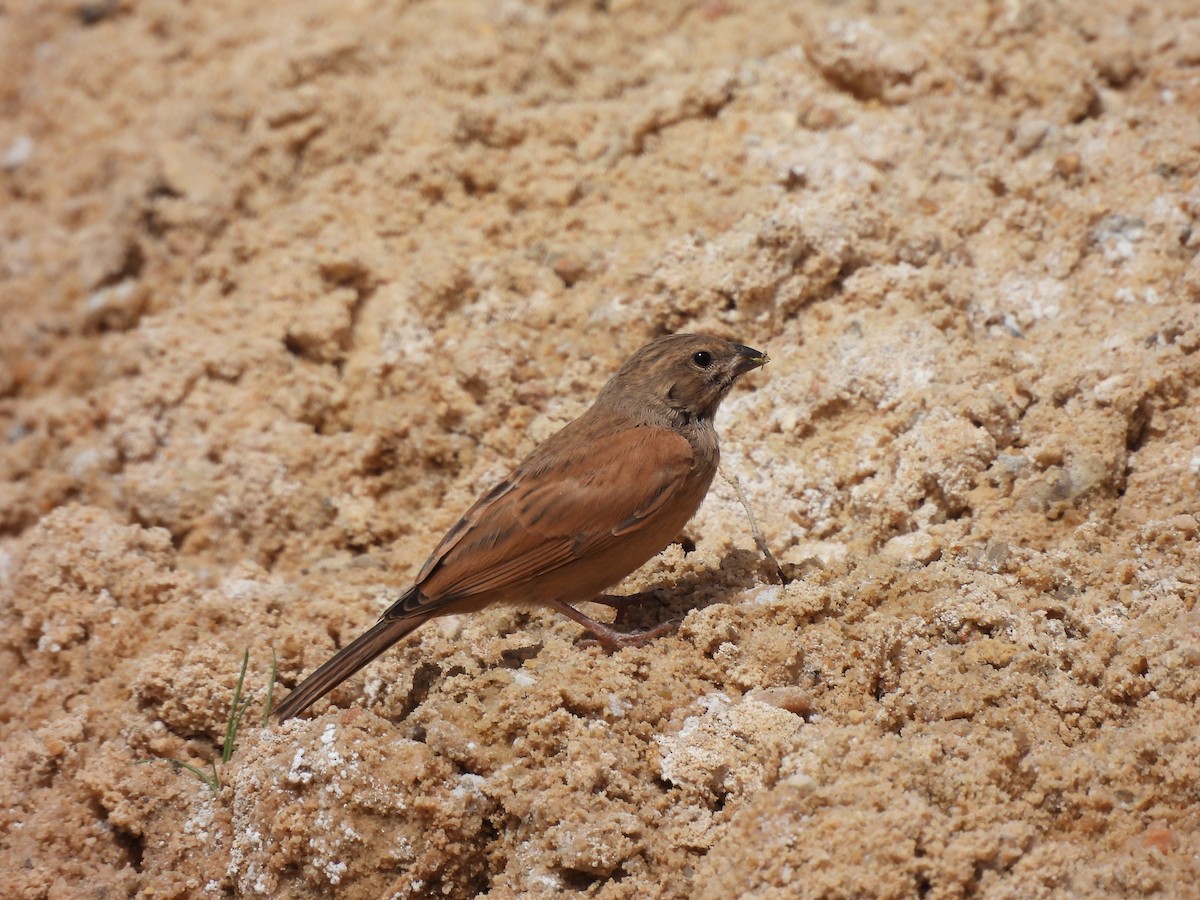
(587, 507)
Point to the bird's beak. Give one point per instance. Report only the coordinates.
(748, 360)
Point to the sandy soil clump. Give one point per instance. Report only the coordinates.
(283, 286)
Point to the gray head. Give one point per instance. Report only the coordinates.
(683, 377)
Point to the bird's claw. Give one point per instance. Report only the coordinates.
(613, 641)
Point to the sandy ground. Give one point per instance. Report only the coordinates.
(283, 286)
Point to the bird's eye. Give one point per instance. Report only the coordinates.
(703, 359)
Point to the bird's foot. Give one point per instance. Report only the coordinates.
(609, 638)
(612, 640)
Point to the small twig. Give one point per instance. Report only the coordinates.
(759, 540)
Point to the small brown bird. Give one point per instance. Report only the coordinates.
(586, 508)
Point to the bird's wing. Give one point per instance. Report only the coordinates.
(548, 515)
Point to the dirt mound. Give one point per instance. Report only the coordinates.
(283, 287)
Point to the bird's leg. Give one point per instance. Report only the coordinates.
(624, 604)
(609, 638)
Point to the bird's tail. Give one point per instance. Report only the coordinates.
(346, 662)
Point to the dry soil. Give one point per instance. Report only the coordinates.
(283, 286)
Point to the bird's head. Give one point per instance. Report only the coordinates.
(683, 376)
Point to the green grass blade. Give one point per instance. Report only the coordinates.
(212, 781)
(236, 711)
(271, 688)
